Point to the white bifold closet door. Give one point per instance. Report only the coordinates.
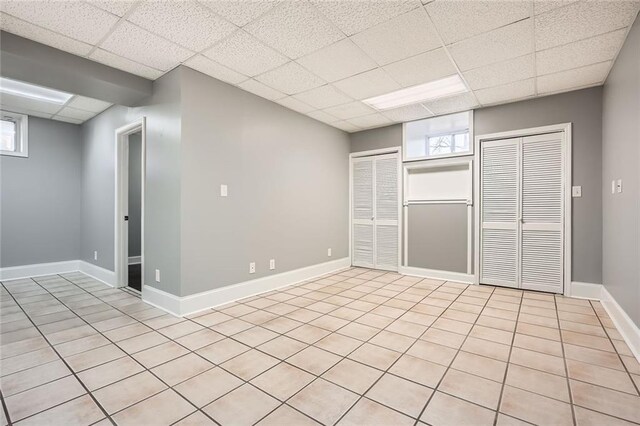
(375, 212)
(522, 212)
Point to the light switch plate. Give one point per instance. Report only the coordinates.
(157, 275)
(576, 191)
(619, 186)
(328, 252)
(223, 190)
(272, 264)
(613, 186)
(252, 268)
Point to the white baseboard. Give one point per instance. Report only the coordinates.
(181, 306)
(625, 325)
(582, 290)
(38, 269)
(134, 260)
(101, 274)
(437, 274)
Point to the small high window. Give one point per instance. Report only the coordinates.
(13, 130)
(438, 137)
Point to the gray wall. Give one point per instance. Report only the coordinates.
(135, 194)
(287, 179)
(434, 246)
(621, 160)
(584, 109)
(40, 197)
(162, 196)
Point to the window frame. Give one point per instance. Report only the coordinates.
(426, 141)
(22, 136)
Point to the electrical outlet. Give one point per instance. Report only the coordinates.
(95, 255)
(272, 264)
(252, 268)
(329, 252)
(157, 275)
(223, 190)
(619, 186)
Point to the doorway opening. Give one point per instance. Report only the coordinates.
(130, 189)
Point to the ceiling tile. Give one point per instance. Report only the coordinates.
(401, 37)
(367, 84)
(542, 6)
(337, 61)
(322, 116)
(457, 20)
(501, 73)
(80, 21)
(369, 121)
(33, 32)
(88, 104)
(498, 45)
(508, 92)
(323, 97)
(456, 103)
(141, 46)
(260, 89)
(215, 70)
(186, 23)
(346, 126)
(12, 103)
(580, 53)
(77, 114)
(290, 78)
(573, 79)
(124, 64)
(67, 119)
(581, 20)
(295, 29)
(240, 12)
(120, 7)
(350, 110)
(421, 68)
(407, 113)
(246, 54)
(355, 16)
(294, 104)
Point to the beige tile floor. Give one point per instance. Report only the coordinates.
(360, 347)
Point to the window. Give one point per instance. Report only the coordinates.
(437, 137)
(13, 130)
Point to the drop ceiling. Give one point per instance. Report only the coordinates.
(322, 58)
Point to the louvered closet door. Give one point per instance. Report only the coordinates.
(542, 213)
(386, 212)
(362, 213)
(500, 193)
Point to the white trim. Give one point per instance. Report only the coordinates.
(186, 305)
(135, 260)
(370, 153)
(437, 274)
(581, 290)
(563, 127)
(38, 269)
(101, 274)
(22, 127)
(121, 201)
(626, 327)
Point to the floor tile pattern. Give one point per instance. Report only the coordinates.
(358, 347)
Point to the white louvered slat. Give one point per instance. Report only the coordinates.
(542, 260)
(542, 180)
(386, 189)
(363, 245)
(499, 257)
(363, 189)
(500, 182)
(387, 247)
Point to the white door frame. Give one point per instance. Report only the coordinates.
(563, 127)
(372, 153)
(121, 202)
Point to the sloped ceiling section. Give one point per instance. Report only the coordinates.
(322, 58)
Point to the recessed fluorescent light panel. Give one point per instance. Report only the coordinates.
(31, 91)
(424, 92)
